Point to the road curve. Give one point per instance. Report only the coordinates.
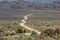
(23, 21)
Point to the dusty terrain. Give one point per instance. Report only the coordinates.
(40, 20)
(44, 19)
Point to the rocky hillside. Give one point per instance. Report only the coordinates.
(21, 4)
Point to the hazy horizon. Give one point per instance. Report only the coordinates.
(48, 1)
(41, 0)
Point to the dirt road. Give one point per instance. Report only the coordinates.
(23, 21)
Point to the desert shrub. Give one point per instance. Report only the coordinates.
(47, 32)
(19, 30)
(28, 38)
(47, 25)
(1, 38)
(57, 37)
(33, 33)
(4, 38)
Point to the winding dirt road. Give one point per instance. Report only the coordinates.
(23, 21)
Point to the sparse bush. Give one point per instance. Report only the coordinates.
(1, 38)
(4, 38)
(47, 25)
(47, 32)
(28, 38)
(19, 30)
(57, 37)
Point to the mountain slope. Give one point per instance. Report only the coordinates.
(21, 4)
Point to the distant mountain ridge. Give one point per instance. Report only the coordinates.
(21, 4)
(45, 1)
